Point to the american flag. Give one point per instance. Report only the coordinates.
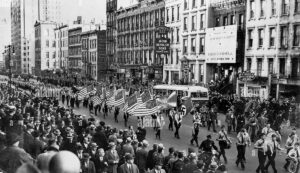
(132, 103)
(146, 109)
(82, 93)
(96, 100)
(117, 99)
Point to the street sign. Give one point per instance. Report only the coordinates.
(246, 76)
(163, 30)
(162, 46)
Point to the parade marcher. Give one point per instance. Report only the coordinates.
(208, 145)
(177, 123)
(266, 130)
(212, 120)
(171, 118)
(68, 97)
(243, 140)
(105, 110)
(63, 96)
(240, 121)
(289, 145)
(126, 116)
(261, 146)
(230, 120)
(223, 143)
(195, 133)
(294, 154)
(116, 114)
(273, 146)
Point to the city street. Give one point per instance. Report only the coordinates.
(168, 139)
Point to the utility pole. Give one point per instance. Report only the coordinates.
(10, 49)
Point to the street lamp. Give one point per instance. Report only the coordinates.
(10, 50)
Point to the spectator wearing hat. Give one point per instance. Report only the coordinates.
(100, 163)
(192, 165)
(127, 147)
(170, 156)
(28, 138)
(37, 146)
(158, 156)
(141, 157)
(129, 165)
(158, 168)
(69, 143)
(112, 158)
(86, 145)
(87, 165)
(273, 146)
(13, 156)
(150, 158)
(178, 165)
(93, 150)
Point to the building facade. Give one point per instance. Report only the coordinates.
(136, 34)
(45, 47)
(272, 51)
(94, 54)
(111, 34)
(173, 21)
(193, 27)
(226, 28)
(61, 37)
(74, 50)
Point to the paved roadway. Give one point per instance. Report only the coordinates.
(168, 139)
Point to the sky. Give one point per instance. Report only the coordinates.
(70, 9)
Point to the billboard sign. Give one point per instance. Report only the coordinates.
(221, 44)
(162, 45)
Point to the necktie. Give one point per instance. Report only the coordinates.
(274, 147)
(242, 139)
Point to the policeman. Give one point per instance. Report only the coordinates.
(208, 144)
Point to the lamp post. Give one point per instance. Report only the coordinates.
(9, 49)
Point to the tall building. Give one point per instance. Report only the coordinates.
(172, 63)
(24, 14)
(111, 33)
(49, 10)
(193, 27)
(45, 47)
(225, 38)
(94, 54)
(74, 50)
(136, 35)
(272, 49)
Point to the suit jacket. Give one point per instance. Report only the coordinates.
(141, 158)
(36, 148)
(90, 168)
(124, 169)
(161, 171)
(99, 164)
(110, 158)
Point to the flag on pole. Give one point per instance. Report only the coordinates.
(82, 93)
(172, 99)
(132, 102)
(117, 99)
(187, 105)
(148, 108)
(96, 100)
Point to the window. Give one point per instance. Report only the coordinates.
(284, 37)
(261, 35)
(232, 19)
(282, 66)
(272, 37)
(173, 14)
(47, 43)
(202, 20)
(273, 4)
(178, 12)
(201, 72)
(285, 7)
(262, 8)
(296, 35)
(185, 46)
(171, 56)
(193, 23)
(252, 9)
(202, 45)
(249, 64)
(193, 45)
(167, 15)
(271, 66)
(297, 6)
(47, 54)
(177, 35)
(259, 66)
(241, 20)
(250, 38)
(185, 24)
(172, 36)
(186, 4)
(177, 56)
(193, 3)
(295, 67)
(225, 21)
(202, 2)
(217, 21)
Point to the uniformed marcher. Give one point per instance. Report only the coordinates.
(261, 146)
(273, 146)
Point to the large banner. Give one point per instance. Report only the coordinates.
(221, 44)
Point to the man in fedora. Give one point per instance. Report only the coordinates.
(112, 158)
(13, 156)
(128, 166)
(87, 166)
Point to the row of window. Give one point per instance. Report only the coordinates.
(193, 45)
(193, 22)
(138, 57)
(171, 12)
(75, 51)
(142, 20)
(187, 4)
(92, 44)
(170, 58)
(283, 37)
(271, 7)
(89, 56)
(74, 39)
